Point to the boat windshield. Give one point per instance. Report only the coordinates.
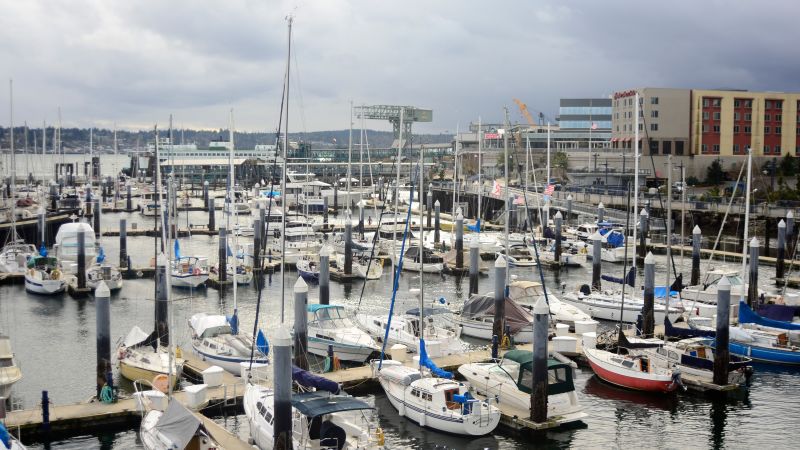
(734, 279)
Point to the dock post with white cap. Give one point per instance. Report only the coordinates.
(541, 316)
(722, 351)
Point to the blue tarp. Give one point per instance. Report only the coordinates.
(233, 321)
(425, 361)
(262, 344)
(42, 251)
(307, 379)
(101, 256)
(661, 292)
(476, 227)
(747, 315)
(630, 279)
(615, 239)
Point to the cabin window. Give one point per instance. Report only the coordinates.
(627, 363)
(5, 362)
(448, 399)
(526, 378)
(558, 375)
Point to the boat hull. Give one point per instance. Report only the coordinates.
(230, 364)
(189, 281)
(134, 373)
(607, 373)
(345, 352)
(764, 354)
(44, 287)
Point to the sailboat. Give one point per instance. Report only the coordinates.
(626, 370)
(427, 394)
(44, 275)
(15, 253)
(142, 357)
(322, 417)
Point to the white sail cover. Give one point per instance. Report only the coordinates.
(203, 322)
(135, 336)
(178, 425)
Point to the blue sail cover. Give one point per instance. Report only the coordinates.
(233, 321)
(630, 279)
(476, 227)
(671, 330)
(425, 361)
(262, 344)
(661, 292)
(101, 256)
(747, 315)
(307, 379)
(42, 251)
(177, 249)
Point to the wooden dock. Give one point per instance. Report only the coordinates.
(736, 256)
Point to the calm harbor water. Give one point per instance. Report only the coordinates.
(54, 339)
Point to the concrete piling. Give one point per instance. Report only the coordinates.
(258, 232)
(597, 248)
(648, 309)
(429, 206)
(722, 351)
(301, 324)
(211, 207)
(325, 210)
(460, 240)
(644, 218)
(601, 212)
(205, 195)
(697, 240)
(348, 244)
(752, 289)
(361, 218)
(779, 263)
(102, 300)
(569, 207)
(541, 316)
(41, 217)
(558, 220)
(500, 267)
(123, 240)
(97, 210)
(437, 225)
(324, 276)
(474, 264)
(222, 252)
(282, 382)
(162, 299)
(129, 197)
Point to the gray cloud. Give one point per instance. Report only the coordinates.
(134, 63)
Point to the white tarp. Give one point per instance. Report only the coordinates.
(177, 424)
(135, 336)
(202, 322)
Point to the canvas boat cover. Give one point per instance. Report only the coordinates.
(307, 379)
(202, 322)
(517, 318)
(315, 404)
(178, 424)
(135, 337)
(747, 315)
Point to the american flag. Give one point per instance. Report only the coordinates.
(549, 189)
(594, 126)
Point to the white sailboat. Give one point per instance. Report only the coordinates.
(15, 253)
(428, 395)
(328, 325)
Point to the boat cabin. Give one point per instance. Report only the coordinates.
(518, 365)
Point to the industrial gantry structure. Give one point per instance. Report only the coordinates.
(392, 113)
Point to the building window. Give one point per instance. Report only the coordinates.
(766, 130)
(748, 117)
(778, 104)
(678, 147)
(777, 149)
(736, 103)
(653, 100)
(716, 115)
(766, 149)
(778, 117)
(768, 104)
(705, 128)
(715, 102)
(748, 103)
(706, 103)
(735, 148)
(705, 116)
(767, 118)
(715, 148)
(778, 130)
(641, 127)
(653, 127)
(653, 147)
(736, 128)
(716, 128)
(736, 116)
(666, 146)
(747, 129)
(654, 113)
(704, 148)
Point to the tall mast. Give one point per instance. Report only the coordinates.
(350, 157)
(60, 145)
(548, 161)
(13, 164)
(421, 248)
(283, 175)
(455, 173)
(745, 242)
(91, 145)
(480, 169)
(44, 138)
(395, 257)
(635, 173)
(506, 191)
(232, 196)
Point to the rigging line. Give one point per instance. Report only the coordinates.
(533, 238)
(260, 262)
(399, 268)
(625, 266)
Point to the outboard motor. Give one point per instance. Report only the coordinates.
(586, 289)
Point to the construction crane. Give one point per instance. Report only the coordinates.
(523, 108)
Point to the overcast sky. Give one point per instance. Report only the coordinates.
(135, 62)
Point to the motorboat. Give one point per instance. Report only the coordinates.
(509, 380)
(66, 245)
(218, 340)
(10, 372)
(189, 271)
(519, 255)
(328, 325)
(308, 268)
(102, 270)
(429, 263)
(606, 305)
(435, 400)
(527, 293)
(141, 358)
(405, 329)
(322, 416)
(300, 239)
(702, 299)
(476, 319)
(174, 428)
(582, 232)
(14, 256)
(44, 275)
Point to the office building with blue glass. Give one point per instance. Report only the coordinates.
(585, 114)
